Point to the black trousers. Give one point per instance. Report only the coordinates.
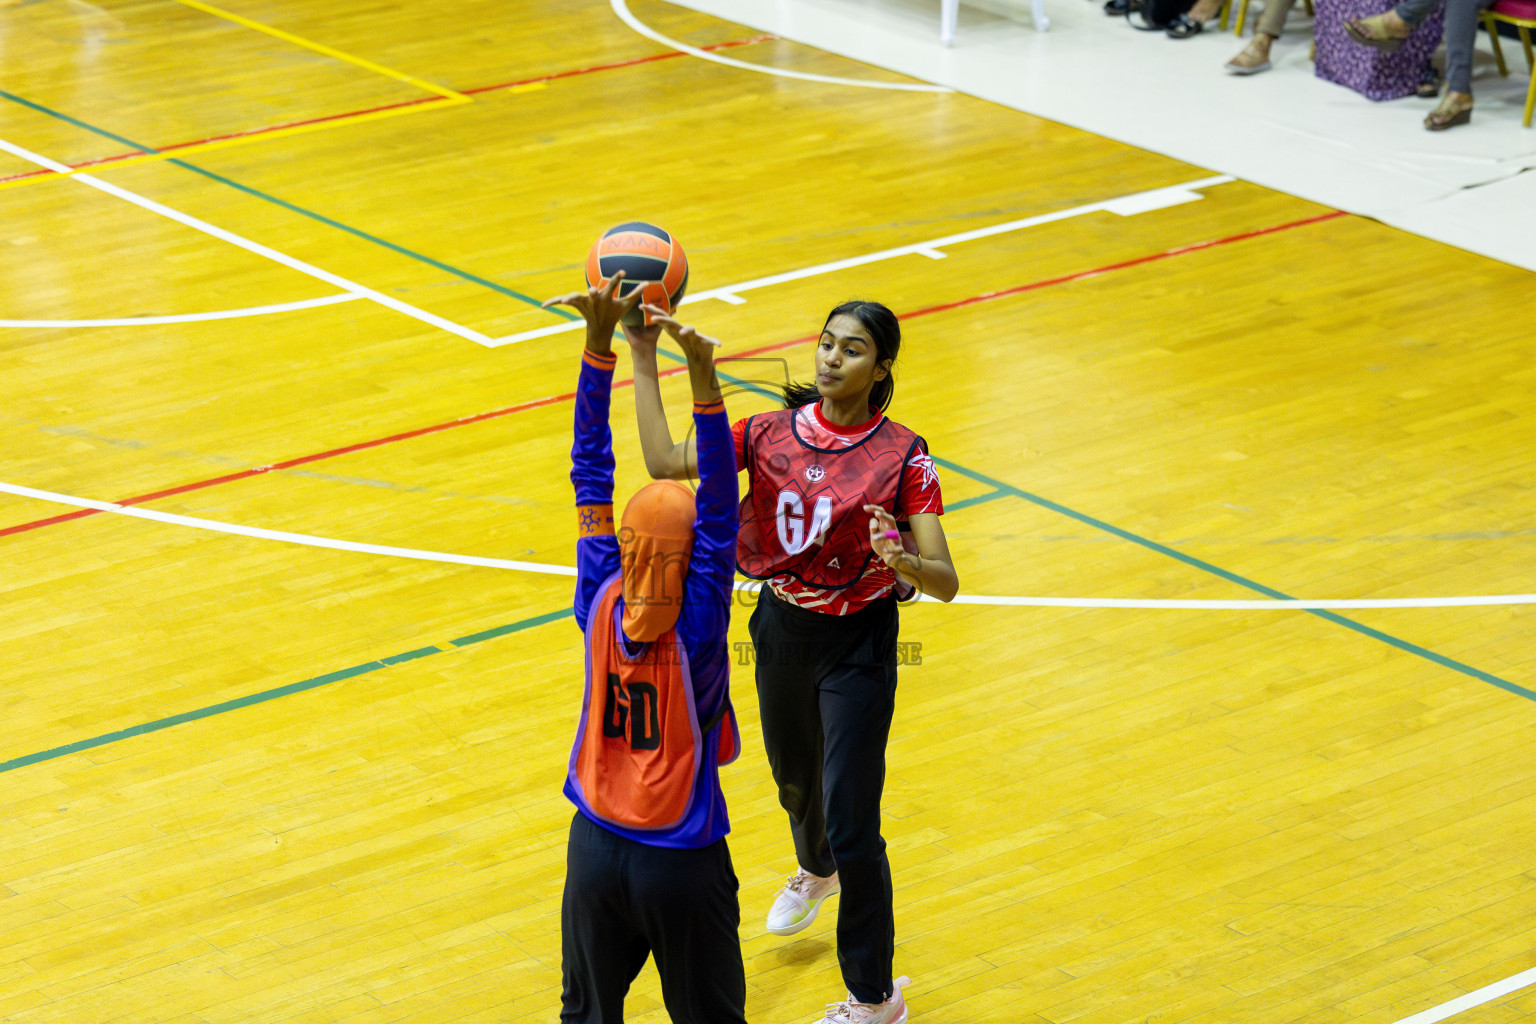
(826, 689)
(625, 901)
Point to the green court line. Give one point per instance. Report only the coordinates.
(322, 218)
(281, 691)
(491, 634)
(977, 500)
(1204, 566)
(1000, 489)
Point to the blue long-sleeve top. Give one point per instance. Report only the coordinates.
(705, 614)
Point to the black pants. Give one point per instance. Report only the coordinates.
(625, 901)
(826, 688)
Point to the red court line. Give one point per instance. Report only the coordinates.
(621, 64)
(246, 474)
(1138, 261)
(392, 106)
(538, 403)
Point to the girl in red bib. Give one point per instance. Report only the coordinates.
(841, 512)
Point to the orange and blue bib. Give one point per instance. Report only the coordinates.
(643, 764)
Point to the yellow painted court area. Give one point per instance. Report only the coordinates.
(248, 779)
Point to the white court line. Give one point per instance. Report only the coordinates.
(1486, 994)
(622, 10)
(1124, 206)
(187, 318)
(280, 535)
(1267, 605)
(245, 243)
(566, 570)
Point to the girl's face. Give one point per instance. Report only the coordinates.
(846, 365)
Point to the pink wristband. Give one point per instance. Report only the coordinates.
(893, 535)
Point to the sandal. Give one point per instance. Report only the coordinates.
(1116, 8)
(1439, 119)
(1247, 63)
(1384, 43)
(1183, 26)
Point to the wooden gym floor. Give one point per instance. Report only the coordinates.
(252, 779)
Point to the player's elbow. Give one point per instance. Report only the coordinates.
(670, 465)
(655, 467)
(946, 588)
(665, 466)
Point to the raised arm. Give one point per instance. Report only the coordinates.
(597, 549)
(663, 459)
(712, 566)
(715, 456)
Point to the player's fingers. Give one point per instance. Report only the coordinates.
(611, 284)
(685, 334)
(659, 317)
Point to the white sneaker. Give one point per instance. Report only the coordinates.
(796, 905)
(892, 1011)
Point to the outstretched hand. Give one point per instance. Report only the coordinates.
(601, 308)
(693, 344)
(700, 350)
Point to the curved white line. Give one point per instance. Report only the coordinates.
(1151, 604)
(622, 10)
(266, 252)
(186, 318)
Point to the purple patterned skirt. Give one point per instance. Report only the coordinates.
(1371, 73)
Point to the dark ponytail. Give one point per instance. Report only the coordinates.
(796, 395)
(884, 329)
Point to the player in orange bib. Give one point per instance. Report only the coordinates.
(835, 489)
(648, 872)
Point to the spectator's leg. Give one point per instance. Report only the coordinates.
(1387, 31)
(1272, 21)
(1461, 18)
(1205, 10)
(1255, 56)
(1412, 12)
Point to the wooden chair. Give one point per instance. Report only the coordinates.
(1242, 13)
(1522, 15)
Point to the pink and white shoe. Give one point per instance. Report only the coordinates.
(892, 1011)
(795, 907)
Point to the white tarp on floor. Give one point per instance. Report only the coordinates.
(1472, 186)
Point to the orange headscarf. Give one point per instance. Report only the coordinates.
(655, 542)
